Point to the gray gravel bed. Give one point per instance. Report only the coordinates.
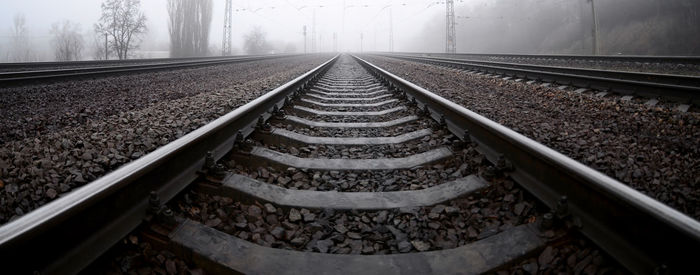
(334, 101)
(574, 256)
(84, 65)
(36, 170)
(349, 109)
(327, 118)
(134, 255)
(663, 68)
(427, 143)
(353, 94)
(420, 124)
(655, 150)
(462, 163)
(34, 110)
(404, 230)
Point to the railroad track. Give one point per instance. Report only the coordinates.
(678, 88)
(349, 169)
(686, 60)
(99, 68)
(21, 66)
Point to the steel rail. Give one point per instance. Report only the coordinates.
(684, 89)
(640, 232)
(8, 78)
(65, 235)
(86, 63)
(689, 60)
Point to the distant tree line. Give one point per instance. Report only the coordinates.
(67, 41)
(117, 33)
(189, 25)
(20, 48)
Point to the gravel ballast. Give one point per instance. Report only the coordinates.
(443, 226)
(571, 256)
(653, 149)
(477, 216)
(663, 68)
(129, 116)
(33, 110)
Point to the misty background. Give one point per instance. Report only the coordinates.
(630, 27)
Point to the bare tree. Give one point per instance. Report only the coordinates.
(255, 42)
(123, 23)
(189, 25)
(20, 49)
(67, 41)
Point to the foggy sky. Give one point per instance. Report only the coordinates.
(282, 20)
(495, 26)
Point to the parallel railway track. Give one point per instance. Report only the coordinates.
(21, 66)
(71, 70)
(680, 88)
(357, 120)
(686, 60)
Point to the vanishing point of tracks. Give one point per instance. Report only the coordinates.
(350, 169)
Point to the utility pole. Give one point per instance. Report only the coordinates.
(305, 39)
(391, 31)
(313, 33)
(228, 19)
(106, 47)
(451, 43)
(595, 29)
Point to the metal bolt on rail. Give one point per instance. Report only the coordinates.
(167, 217)
(153, 203)
(158, 211)
(562, 208)
(503, 164)
(266, 128)
(489, 173)
(238, 140)
(209, 161)
(443, 122)
(280, 115)
(248, 145)
(261, 123)
(219, 171)
(467, 138)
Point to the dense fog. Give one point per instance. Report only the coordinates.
(644, 27)
(67, 30)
